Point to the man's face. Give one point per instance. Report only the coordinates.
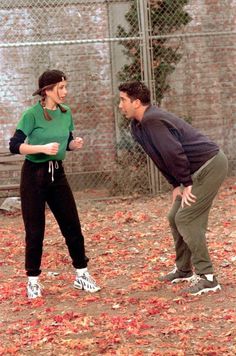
(126, 106)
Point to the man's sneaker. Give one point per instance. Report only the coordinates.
(202, 285)
(86, 282)
(176, 276)
(34, 290)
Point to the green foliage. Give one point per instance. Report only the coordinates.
(130, 175)
(188, 119)
(167, 16)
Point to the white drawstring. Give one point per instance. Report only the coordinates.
(51, 168)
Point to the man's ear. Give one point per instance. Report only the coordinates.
(137, 103)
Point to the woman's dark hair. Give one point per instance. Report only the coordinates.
(45, 112)
(47, 81)
(136, 90)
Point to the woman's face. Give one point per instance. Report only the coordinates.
(58, 93)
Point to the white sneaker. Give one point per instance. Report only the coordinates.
(34, 290)
(86, 282)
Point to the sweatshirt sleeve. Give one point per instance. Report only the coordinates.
(16, 140)
(167, 145)
(69, 140)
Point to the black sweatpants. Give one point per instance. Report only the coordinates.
(40, 185)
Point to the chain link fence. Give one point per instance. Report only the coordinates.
(171, 45)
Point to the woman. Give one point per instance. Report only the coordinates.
(48, 127)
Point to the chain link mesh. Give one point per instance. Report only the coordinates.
(171, 45)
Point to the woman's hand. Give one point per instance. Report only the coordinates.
(76, 144)
(51, 148)
(48, 149)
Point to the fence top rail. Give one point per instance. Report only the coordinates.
(6, 4)
(113, 39)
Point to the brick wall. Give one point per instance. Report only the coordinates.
(87, 66)
(202, 86)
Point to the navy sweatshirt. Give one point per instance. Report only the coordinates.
(176, 148)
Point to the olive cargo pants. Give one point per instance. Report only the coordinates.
(188, 225)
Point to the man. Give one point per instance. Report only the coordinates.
(194, 166)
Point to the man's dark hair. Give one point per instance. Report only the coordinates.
(136, 90)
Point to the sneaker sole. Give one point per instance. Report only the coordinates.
(30, 296)
(206, 290)
(87, 290)
(179, 280)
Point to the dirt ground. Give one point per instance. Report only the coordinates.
(129, 245)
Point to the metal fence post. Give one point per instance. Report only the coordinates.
(147, 74)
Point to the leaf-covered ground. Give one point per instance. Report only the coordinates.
(129, 245)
